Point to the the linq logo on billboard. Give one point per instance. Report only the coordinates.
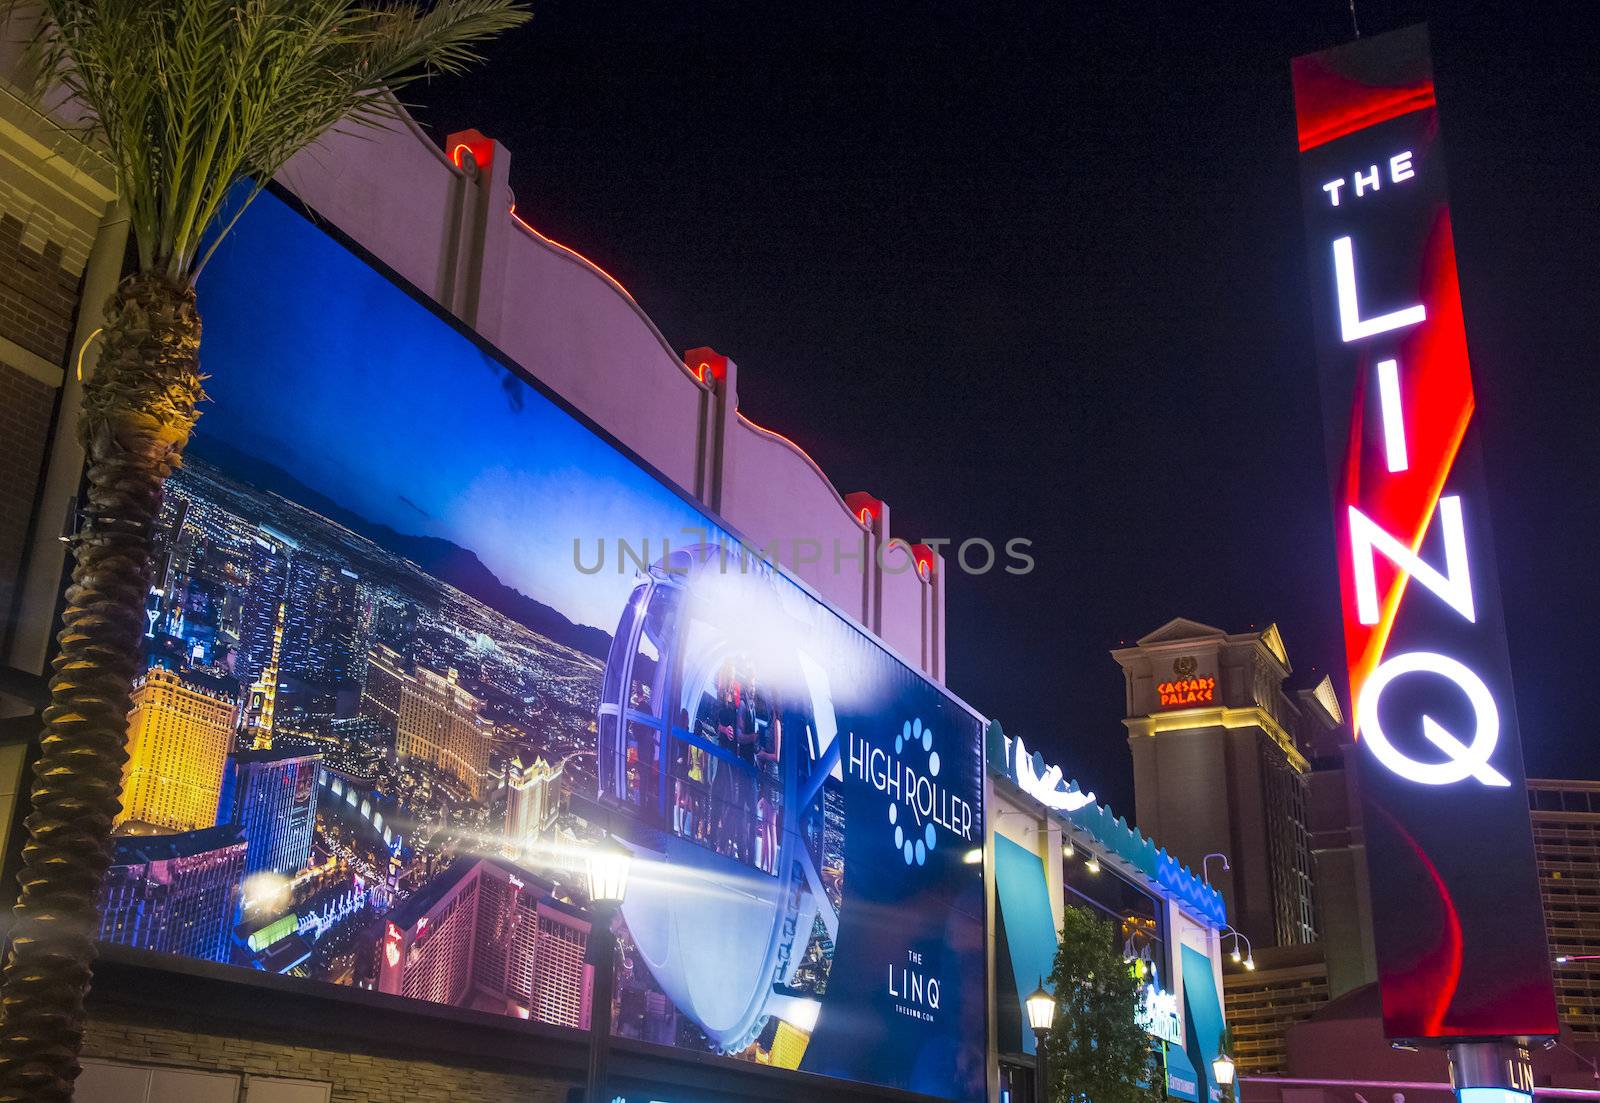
(920, 807)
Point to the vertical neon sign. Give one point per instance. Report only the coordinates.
(1458, 922)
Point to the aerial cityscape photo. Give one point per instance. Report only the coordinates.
(358, 756)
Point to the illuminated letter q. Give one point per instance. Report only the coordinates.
(1463, 760)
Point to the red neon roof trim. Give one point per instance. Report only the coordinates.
(572, 253)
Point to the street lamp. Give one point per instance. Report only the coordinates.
(1205, 865)
(1041, 1016)
(1222, 1069)
(607, 865)
(1249, 957)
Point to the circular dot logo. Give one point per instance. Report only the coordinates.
(915, 850)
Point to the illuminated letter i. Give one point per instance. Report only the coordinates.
(1394, 417)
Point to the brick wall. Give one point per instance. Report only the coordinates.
(26, 407)
(38, 299)
(37, 295)
(356, 1077)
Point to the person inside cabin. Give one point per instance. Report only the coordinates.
(770, 780)
(724, 780)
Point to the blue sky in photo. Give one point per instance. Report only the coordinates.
(320, 365)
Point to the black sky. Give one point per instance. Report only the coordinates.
(1038, 270)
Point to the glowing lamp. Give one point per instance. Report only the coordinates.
(1236, 957)
(1250, 963)
(1222, 1069)
(973, 857)
(1067, 851)
(1092, 865)
(608, 863)
(1041, 1009)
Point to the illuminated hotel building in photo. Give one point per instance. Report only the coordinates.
(263, 696)
(179, 734)
(177, 893)
(1566, 840)
(533, 802)
(486, 937)
(443, 724)
(1289, 984)
(1276, 825)
(272, 796)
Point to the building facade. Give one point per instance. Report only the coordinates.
(262, 701)
(272, 796)
(1566, 843)
(1289, 984)
(380, 687)
(1207, 713)
(179, 734)
(175, 893)
(489, 937)
(533, 801)
(1053, 847)
(435, 719)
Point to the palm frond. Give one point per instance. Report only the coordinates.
(192, 96)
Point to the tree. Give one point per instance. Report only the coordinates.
(189, 99)
(1097, 1052)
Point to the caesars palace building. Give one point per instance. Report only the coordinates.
(372, 742)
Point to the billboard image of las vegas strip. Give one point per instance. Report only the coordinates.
(400, 678)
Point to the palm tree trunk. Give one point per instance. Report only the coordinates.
(137, 415)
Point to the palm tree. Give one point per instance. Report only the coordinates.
(190, 100)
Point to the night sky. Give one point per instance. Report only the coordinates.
(1038, 270)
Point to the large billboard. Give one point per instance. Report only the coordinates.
(419, 636)
(1455, 898)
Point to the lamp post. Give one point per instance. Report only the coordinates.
(608, 864)
(1041, 1016)
(1205, 865)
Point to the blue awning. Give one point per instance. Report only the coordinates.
(1182, 1083)
(1202, 1019)
(1030, 924)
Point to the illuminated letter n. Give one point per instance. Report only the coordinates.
(1454, 586)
